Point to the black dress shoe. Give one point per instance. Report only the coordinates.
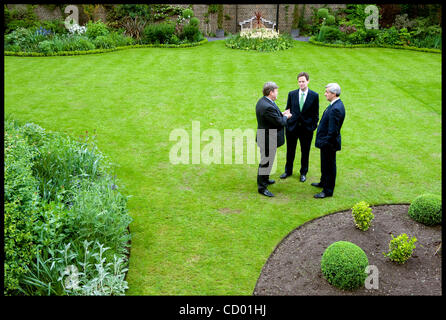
(285, 175)
(314, 184)
(266, 192)
(303, 178)
(271, 181)
(321, 195)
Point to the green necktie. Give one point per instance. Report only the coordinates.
(301, 101)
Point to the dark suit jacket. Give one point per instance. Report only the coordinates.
(329, 129)
(269, 117)
(309, 116)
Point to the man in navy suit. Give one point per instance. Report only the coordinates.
(270, 134)
(303, 104)
(328, 139)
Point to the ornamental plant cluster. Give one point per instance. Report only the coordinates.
(260, 39)
(136, 27)
(66, 220)
(346, 27)
(343, 263)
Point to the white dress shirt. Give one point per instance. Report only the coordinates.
(305, 94)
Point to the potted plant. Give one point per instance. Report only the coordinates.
(295, 25)
(220, 32)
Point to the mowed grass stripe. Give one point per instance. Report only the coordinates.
(203, 229)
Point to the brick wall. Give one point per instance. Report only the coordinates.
(236, 12)
(243, 12)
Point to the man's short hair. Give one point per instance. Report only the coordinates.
(303, 74)
(334, 88)
(268, 87)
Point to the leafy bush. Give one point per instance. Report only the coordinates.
(330, 34)
(322, 13)
(362, 213)
(105, 42)
(78, 204)
(330, 20)
(357, 37)
(21, 206)
(191, 33)
(187, 13)
(56, 26)
(22, 17)
(343, 264)
(401, 248)
(158, 33)
(96, 29)
(426, 209)
(388, 36)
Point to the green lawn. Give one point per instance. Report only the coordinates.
(203, 229)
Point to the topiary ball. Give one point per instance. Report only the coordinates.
(343, 264)
(426, 209)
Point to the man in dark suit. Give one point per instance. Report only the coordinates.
(328, 139)
(270, 134)
(303, 104)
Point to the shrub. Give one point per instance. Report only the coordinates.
(400, 248)
(343, 265)
(96, 29)
(388, 36)
(191, 33)
(331, 34)
(363, 215)
(357, 37)
(46, 46)
(322, 13)
(187, 13)
(158, 33)
(194, 22)
(78, 204)
(426, 209)
(21, 206)
(330, 19)
(20, 18)
(104, 42)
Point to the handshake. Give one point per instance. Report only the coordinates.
(287, 113)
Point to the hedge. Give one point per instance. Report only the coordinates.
(77, 52)
(371, 45)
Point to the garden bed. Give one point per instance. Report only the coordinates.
(294, 266)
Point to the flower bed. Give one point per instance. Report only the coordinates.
(260, 39)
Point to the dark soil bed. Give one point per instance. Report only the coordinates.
(294, 266)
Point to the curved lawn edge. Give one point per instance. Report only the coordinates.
(365, 45)
(84, 52)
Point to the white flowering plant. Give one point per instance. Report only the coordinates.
(259, 33)
(77, 29)
(260, 39)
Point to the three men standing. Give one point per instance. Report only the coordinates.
(300, 119)
(303, 104)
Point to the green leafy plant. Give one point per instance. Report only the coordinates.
(158, 33)
(296, 15)
(363, 216)
(426, 209)
(96, 29)
(400, 248)
(343, 265)
(220, 17)
(21, 206)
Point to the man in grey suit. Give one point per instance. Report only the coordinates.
(270, 134)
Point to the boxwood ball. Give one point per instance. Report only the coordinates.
(343, 265)
(426, 209)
